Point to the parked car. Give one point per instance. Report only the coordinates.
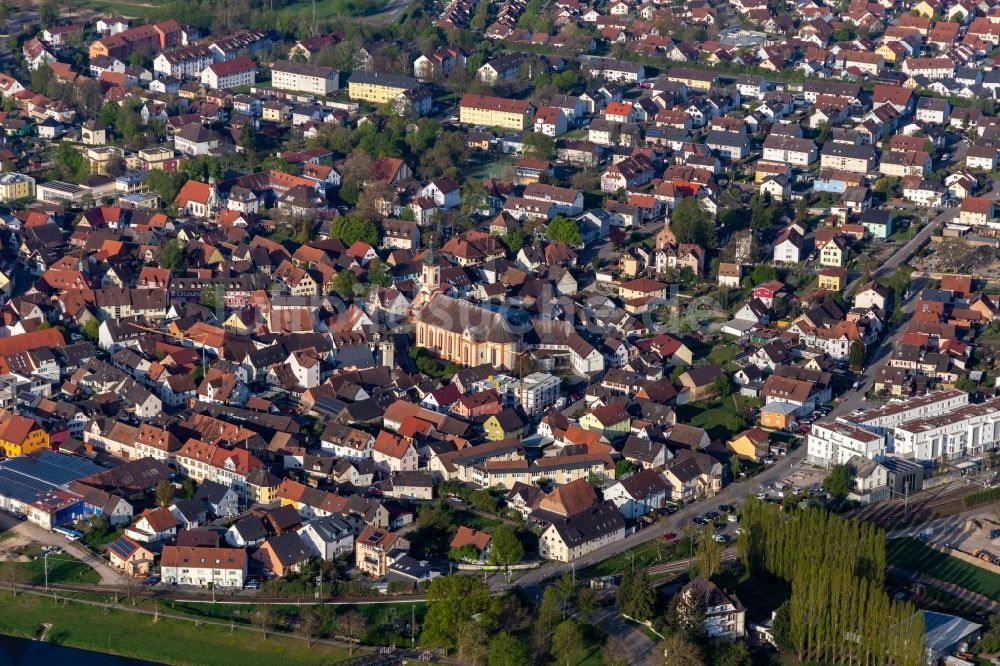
(733, 517)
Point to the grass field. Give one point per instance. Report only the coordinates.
(164, 641)
(718, 418)
(325, 9)
(912, 555)
(644, 555)
(62, 568)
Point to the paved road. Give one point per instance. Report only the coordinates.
(731, 494)
(879, 357)
(903, 254)
(638, 645)
(39, 535)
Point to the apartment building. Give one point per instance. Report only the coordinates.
(229, 74)
(537, 392)
(565, 201)
(837, 442)
(789, 150)
(187, 62)
(303, 77)
(569, 538)
(495, 112)
(847, 157)
(967, 431)
(16, 186)
(693, 78)
(378, 87)
(932, 68)
(372, 548)
(198, 565)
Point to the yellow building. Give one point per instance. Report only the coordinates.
(262, 486)
(503, 425)
(751, 443)
(628, 266)
(20, 436)
(460, 332)
(925, 9)
(886, 52)
(15, 186)
(640, 288)
(377, 87)
(693, 78)
(610, 420)
(495, 112)
(832, 279)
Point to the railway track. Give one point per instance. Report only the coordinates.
(922, 506)
(727, 555)
(141, 592)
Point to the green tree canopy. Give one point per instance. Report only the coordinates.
(539, 146)
(505, 650)
(505, 549)
(173, 256)
(349, 229)
(856, 355)
(567, 643)
(453, 601)
(564, 230)
(691, 223)
(838, 484)
(344, 283)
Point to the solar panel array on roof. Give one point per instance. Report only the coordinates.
(22, 488)
(49, 467)
(122, 547)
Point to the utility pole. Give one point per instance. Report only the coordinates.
(46, 558)
(413, 626)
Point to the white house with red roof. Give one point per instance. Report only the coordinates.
(550, 121)
(197, 199)
(229, 74)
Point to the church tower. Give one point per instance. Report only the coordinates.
(430, 273)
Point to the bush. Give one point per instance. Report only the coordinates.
(981, 497)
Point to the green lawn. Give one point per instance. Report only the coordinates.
(718, 418)
(722, 354)
(62, 568)
(164, 641)
(912, 555)
(644, 555)
(153, 9)
(148, 10)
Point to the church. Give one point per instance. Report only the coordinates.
(458, 331)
